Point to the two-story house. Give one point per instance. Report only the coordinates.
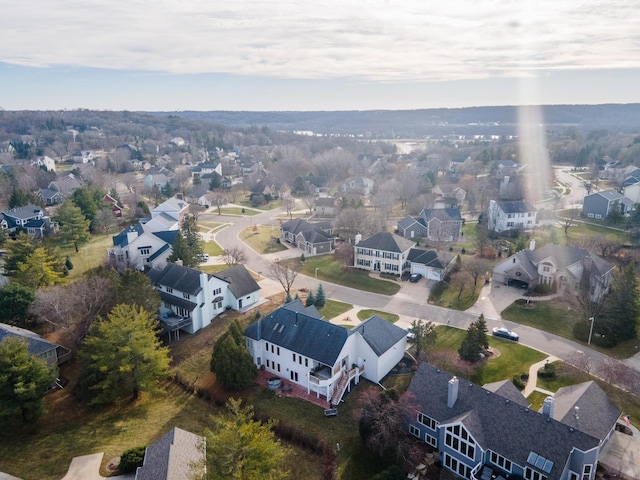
(58, 190)
(29, 218)
(449, 195)
(294, 343)
(601, 204)
(511, 215)
(383, 252)
(442, 224)
(191, 298)
(488, 433)
(562, 267)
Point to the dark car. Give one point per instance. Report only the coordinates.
(415, 277)
(505, 333)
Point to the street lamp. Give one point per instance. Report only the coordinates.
(591, 329)
(317, 273)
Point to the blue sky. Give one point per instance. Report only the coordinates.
(320, 55)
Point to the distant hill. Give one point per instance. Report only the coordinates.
(430, 122)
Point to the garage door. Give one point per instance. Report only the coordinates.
(419, 268)
(433, 274)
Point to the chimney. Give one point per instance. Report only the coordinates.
(357, 239)
(532, 245)
(452, 392)
(547, 407)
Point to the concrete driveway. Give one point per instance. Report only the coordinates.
(87, 467)
(622, 453)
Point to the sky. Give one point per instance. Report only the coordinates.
(281, 55)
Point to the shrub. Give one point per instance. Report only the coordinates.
(132, 459)
(517, 381)
(549, 371)
(394, 472)
(543, 289)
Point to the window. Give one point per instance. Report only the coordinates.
(278, 367)
(433, 441)
(306, 362)
(458, 439)
(144, 251)
(415, 431)
(217, 291)
(586, 473)
(531, 474)
(219, 305)
(546, 268)
(457, 466)
(294, 357)
(427, 421)
(249, 343)
(268, 363)
(278, 351)
(169, 289)
(501, 462)
(573, 475)
(186, 295)
(294, 376)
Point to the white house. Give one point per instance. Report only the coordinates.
(191, 298)
(383, 252)
(294, 343)
(511, 215)
(429, 263)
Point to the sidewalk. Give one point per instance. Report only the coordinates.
(533, 377)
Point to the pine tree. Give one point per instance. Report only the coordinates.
(310, 300)
(74, 226)
(230, 360)
(288, 299)
(320, 299)
(621, 309)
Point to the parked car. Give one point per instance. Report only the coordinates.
(415, 277)
(203, 257)
(505, 333)
(410, 333)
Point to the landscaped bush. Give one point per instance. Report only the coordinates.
(132, 459)
(438, 290)
(581, 331)
(517, 381)
(549, 371)
(394, 472)
(543, 289)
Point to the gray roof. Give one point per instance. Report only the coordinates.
(240, 281)
(24, 213)
(297, 306)
(515, 206)
(311, 337)
(380, 334)
(298, 225)
(406, 222)
(177, 276)
(325, 202)
(498, 423)
(506, 389)
(177, 455)
(388, 242)
(430, 258)
(442, 214)
(610, 195)
(597, 414)
(36, 345)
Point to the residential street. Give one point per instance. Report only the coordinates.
(408, 304)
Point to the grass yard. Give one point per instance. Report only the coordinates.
(213, 268)
(536, 399)
(262, 238)
(447, 296)
(237, 211)
(514, 358)
(389, 317)
(333, 308)
(553, 316)
(90, 255)
(212, 248)
(333, 271)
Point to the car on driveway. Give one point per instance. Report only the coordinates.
(203, 257)
(410, 333)
(415, 277)
(505, 333)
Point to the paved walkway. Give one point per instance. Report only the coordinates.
(533, 377)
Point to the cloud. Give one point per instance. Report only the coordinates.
(379, 40)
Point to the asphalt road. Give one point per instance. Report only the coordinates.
(404, 304)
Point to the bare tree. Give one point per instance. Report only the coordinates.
(344, 252)
(570, 220)
(284, 274)
(460, 280)
(289, 204)
(310, 202)
(476, 266)
(219, 199)
(234, 255)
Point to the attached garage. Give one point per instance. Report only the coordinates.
(419, 268)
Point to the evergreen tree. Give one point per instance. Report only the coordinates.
(475, 340)
(288, 299)
(423, 334)
(68, 264)
(621, 308)
(121, 356)
(230, 360)
(18, 251)
(15, 300)
(310, 300)
(39, 270)
(188, 245)
(24, 379)
(74, 227)
(241, 448)
(320, 299)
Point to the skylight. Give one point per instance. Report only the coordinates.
(540, 462)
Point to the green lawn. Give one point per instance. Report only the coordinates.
(333, 308)
(212, 248)
(262, 238)
(536, 399)
(237, 211)
(390, 317)
(90, 255)
(213, 268)
(333, 271)
(447, 296)
(555, 317)
(514, 358)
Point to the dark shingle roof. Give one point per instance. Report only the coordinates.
(175, 456)
(177, 276)
(24, 213)
(121, 240)
(297, 306)
(506, 389)
(429, 257)
(314, 338)
(406, 222)
(36, 345)
(516, 206)
(500, 424)
(240, 281)
(379, 334)
(387, 241)
(442, 214)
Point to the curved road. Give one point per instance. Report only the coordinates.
(402, 304)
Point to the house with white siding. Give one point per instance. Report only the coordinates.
(511, 215)
(294, 343)
(383, 252)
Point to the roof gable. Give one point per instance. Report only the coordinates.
(177, 455)
(240, 281)
(388, 242)
(176, 276)
(379, 334)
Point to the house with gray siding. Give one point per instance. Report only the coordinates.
(311, 238)
(480, 434)
(601, 204)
